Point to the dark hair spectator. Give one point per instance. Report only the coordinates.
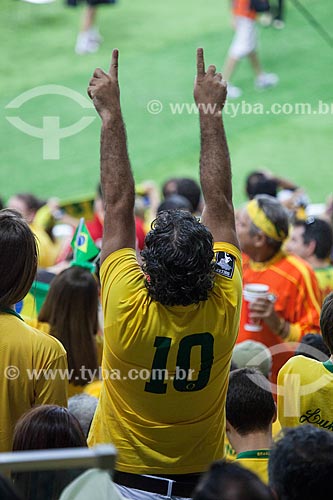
(326, 321)
(70, 308)
(42, 428)
(228, 481)
(318, 231)
(313, 346)
(186, 187)
(27, 204)
(46, 427)
(18, 263)
(175, 202)
(178, 259)
(301, 464)
(258, 183)
(250, 405)
(21, 346)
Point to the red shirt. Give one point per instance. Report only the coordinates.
(295, 286)
(242, 8)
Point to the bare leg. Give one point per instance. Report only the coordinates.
(88, 39)
(254, 60)
(229, 68)
(88, 18)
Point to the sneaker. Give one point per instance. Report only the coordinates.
(266, 19)
(266, 80)
(85, 45)
(95, 35)
(278, 24)
(234, 92)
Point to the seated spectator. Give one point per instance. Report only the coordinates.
(301, 464)
(69, 313)
(251, 354)
(23, 349)
(83, 407)
(175, 202)
(312, 240)
(265, 182)
(28, 206)
(44, 428)
(250, 412)
(186, 187)
(262, 227)
(305, 386)
(225, 481)
(259, 183)
(313, 346)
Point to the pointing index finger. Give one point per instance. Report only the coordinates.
(200, 63)
(113, 71)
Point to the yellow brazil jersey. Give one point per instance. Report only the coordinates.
(25, 354)
(231, 455)
(165, 368)
(256, 461)
(305, 388)
(324, 276)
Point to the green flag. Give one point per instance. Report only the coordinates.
(84, 248)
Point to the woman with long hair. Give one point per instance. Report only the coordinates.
(71, 312)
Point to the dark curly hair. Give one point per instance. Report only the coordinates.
(178, 259)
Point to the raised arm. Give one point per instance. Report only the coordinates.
(210, 93)
(116, 175)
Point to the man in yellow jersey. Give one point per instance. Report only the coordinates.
(250, 412)
(33, 364)
(292, 309)
(169, 327)
(312, 240)
(305, 386)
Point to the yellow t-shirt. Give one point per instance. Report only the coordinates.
(305, 388)
(23, 349)
(256, 461)
(324, 276)
(47, 250)
(160, 418)
(231, 455)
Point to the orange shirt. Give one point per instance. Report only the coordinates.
(242, 8)
(294, 284)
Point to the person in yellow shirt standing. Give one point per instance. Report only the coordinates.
(250, 413)
(26, 353)
(305, 386)
(312, 240)
(170, 327)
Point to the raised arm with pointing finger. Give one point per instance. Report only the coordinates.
(170, 325)
(210, 93)
(116, 175)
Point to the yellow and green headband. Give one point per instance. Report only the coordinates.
(260, 219)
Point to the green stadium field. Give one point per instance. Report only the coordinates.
(157, 42)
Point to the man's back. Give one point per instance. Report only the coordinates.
(162, 405)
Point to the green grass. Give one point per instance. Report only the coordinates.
(157, 41)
